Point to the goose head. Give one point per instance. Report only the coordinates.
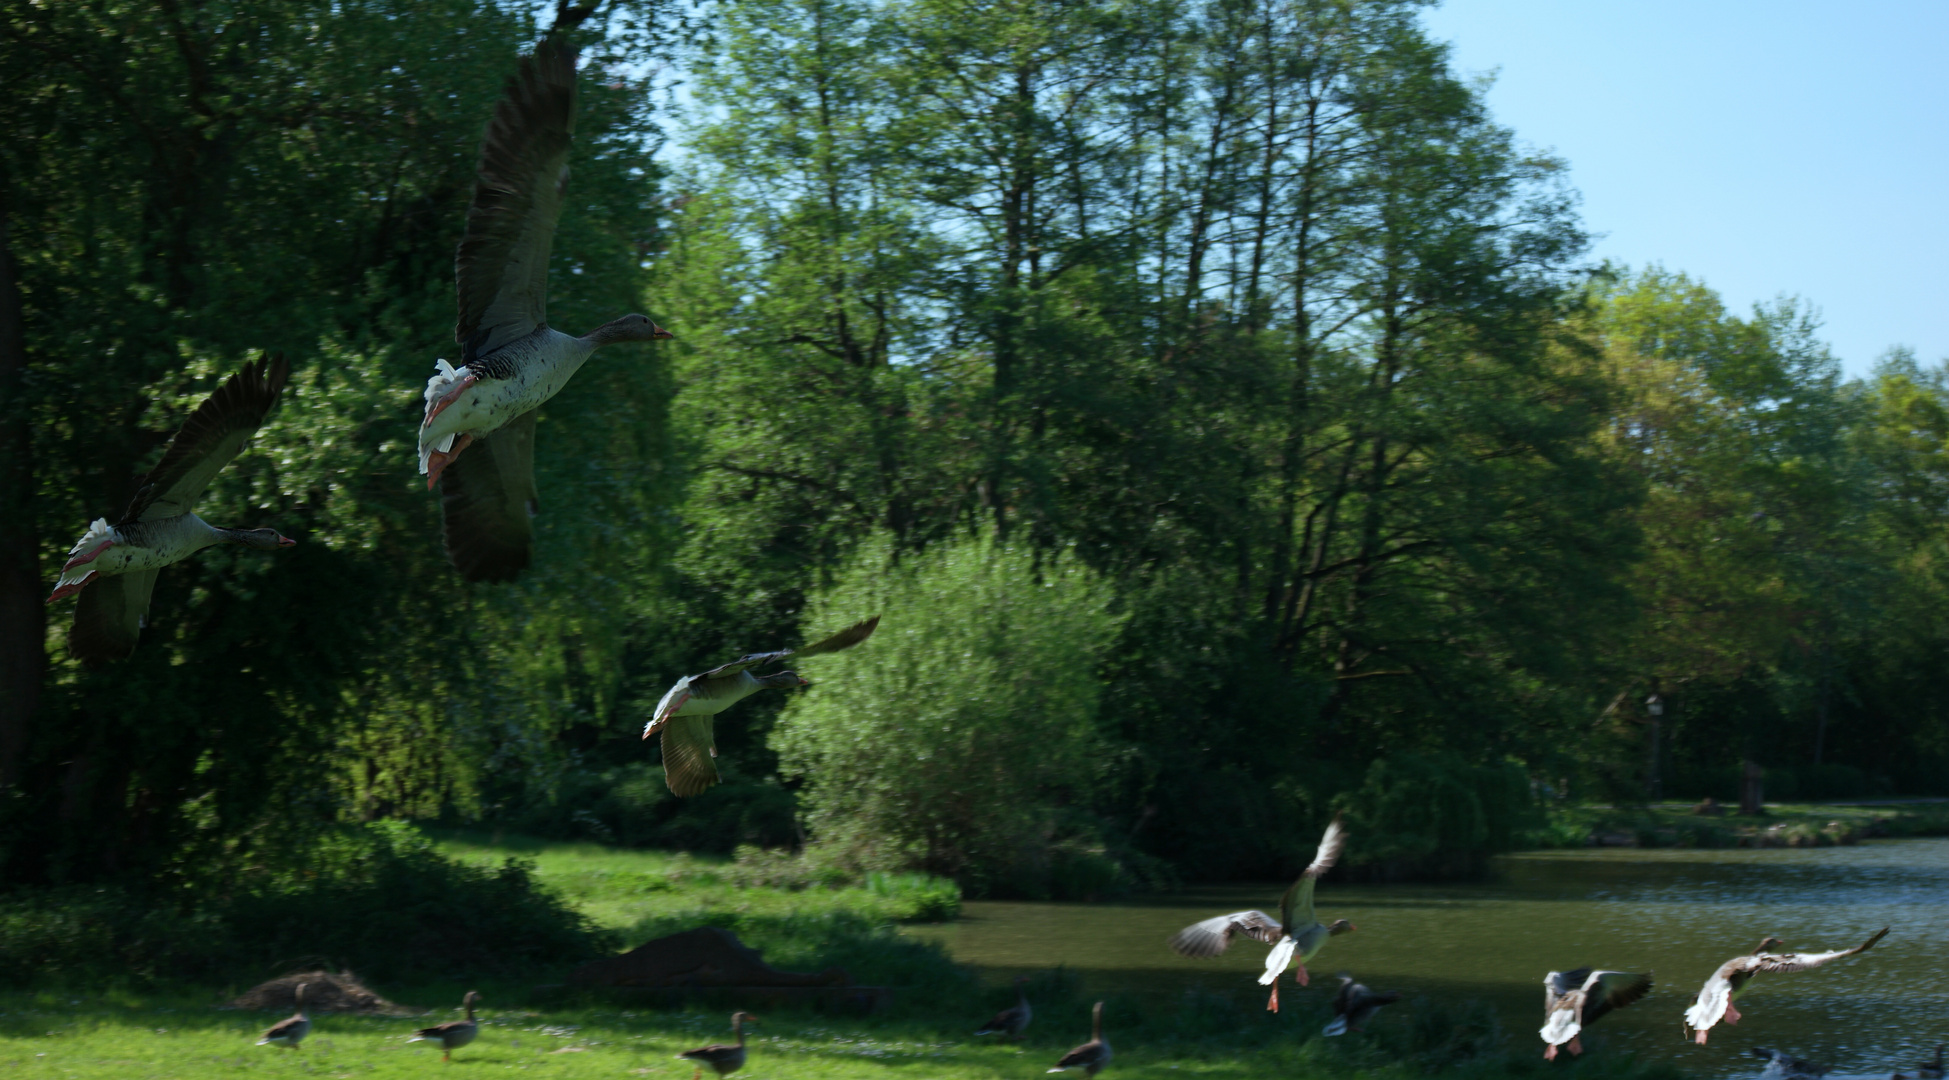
(627, 328)
(259, 538)
(1340, 926)
(784, 680)
(1768, 942)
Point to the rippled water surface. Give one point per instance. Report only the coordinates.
(1676, 913)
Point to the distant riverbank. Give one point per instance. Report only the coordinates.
(1682, 825)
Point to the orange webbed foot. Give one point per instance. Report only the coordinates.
(450, 397)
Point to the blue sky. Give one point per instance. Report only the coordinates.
(1784, 147)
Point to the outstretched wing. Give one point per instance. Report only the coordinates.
(845, 639)
(501, 266)
(109, 617)
(1296, 907)
(1607, 990)
(1803, 961)
(214, 434)
(1203, 940)
(689, 747)
(488, 503)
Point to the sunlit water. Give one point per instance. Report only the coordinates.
(1676, 913)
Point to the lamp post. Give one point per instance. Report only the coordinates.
(1654, 707)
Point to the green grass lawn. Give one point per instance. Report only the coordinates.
(129, 1034)
(1783, 825)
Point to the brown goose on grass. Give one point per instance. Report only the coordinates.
(1573, 1000)
(291, 1030)
(114, 567)
(723, 1058)
(1716, 998)
(1012, 1021)
(512, 361)
(1091, 1056)
(453, 1034)
(1355, 1004)
(1296, 936)
(685, 715)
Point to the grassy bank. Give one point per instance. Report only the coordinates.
(124, 1036)
(1783, 825)
(801, 918)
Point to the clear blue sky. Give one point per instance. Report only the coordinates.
(1765, 148)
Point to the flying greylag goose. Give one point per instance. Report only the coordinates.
(1012, 1021)
(1573, 1000)
(453, 1034)
(723, 1058)
(1296, 936)
(114, 567)
(1355, 1004)
(291, 1030)
(684, 715)
(511, 359)
(1780, 1066)
(1726, 984)
(1091, 1056)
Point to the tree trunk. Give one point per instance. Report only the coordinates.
(23, 626)
(1752, 801)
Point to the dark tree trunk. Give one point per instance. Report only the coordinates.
(23, 626)
(1752, 801)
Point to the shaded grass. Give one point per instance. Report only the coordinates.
(131, 1036)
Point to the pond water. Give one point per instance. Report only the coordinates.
(1676, 913)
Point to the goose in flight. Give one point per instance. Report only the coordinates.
(1296, 936)
(1355, 1004)
(1091, 1056)
(684, 716)
(1735, 975)
(114, 567)
(1573, 1000)
(511, 359)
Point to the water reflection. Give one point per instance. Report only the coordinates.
(1675, 913)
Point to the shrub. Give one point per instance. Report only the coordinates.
(955, 734)
(1428, 816)
(378, 899)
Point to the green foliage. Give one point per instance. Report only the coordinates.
(949, 740)
(379, 899)
(1421, 816)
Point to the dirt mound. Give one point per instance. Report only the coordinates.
(324, 992)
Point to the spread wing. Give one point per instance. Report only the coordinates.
(501, 266)
(1608, 990)
(1203, 940)
(109, 617)
(1803, 961)
(689, 747)
(845, 639)
(214, 434)
(1296, 907)
(488, 503)
(1558, 983)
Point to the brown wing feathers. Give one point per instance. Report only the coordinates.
(501, 266)
(209, 439)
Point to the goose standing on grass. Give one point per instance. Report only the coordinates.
(1573, 1000)
(511, 359)
(723, 1058)
(1296, 936)
(1726, 984)
(291, 1030)
(114, 567)
(453, 1034)
(1355, 1004)
(684, 716)
(1091, 1056)
(1012, 1021)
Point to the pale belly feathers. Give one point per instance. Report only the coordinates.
(543, 362)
